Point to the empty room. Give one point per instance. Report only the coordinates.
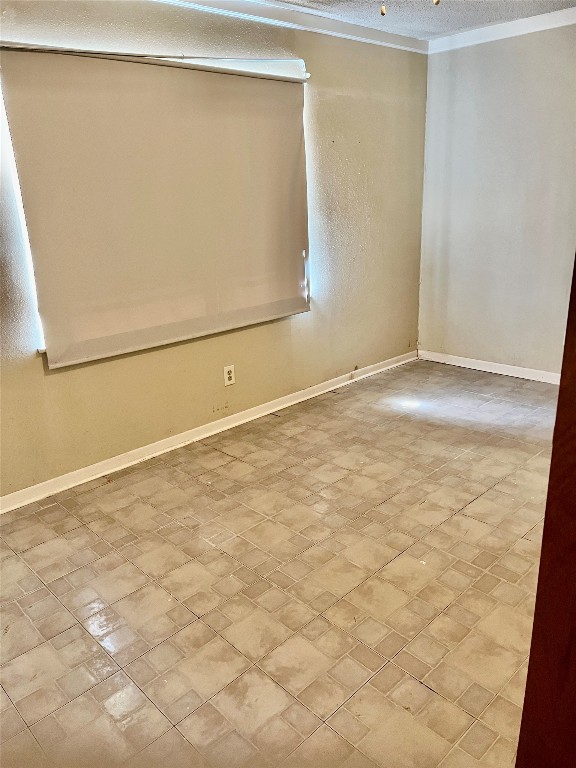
(288, 384)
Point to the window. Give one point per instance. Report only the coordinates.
(163, 202)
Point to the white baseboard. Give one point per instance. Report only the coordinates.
(482, 365)
(62, 483)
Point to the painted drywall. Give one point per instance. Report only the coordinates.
(365, 115)
(499, 224)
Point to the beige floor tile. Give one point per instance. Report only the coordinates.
(409, 694)
(235, 471)
(388, 678)
(296, 664)
(285, 608)
(22, 532)
(305, 520)
(252, 712)
(465, 528)
(171, 750)
(361, 549)
(52, 674)
(123, 525)
(475, 699)
(238, 518)
(129, 627)
(457, 758)
(414, 573)
(62, 554)
(408, 621)
(478, 740)
(101, 501)
(183, 672)
(427, 650)
(486, 511)
(439, 595)
(476, 602)
(10, 721)
(411, 664)
(252, 629)
(154, 554)
(146, 485)
(447, 630)
(197, 537)
(515, 688)
(486, 662)
(503, 717)
(23, 751)
(393, 731)
(96, 586)
(264, 560)
(429, 515)
(256, 635)
(263, 501)
(444, 718)
(508, 627)
(324, 749)
(234, 751)
(306, 589)
(272, 538)
(30, 621)
(104, 726)
(322, 666)
(365, 487)
(178, 502)
(338, 576)
(373, 601)
(204, 583)
(16, 578)
(502, 754)
(448, 681)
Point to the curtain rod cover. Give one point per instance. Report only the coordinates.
(292, 70)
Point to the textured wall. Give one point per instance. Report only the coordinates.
(365, 117)
(499, 227)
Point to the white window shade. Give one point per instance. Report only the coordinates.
(162, 202)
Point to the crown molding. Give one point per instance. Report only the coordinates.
(308, 21)
(282, 15)
(544, 21)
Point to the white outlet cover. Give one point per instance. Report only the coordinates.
(229, 376)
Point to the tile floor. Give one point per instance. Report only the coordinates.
(346, 583)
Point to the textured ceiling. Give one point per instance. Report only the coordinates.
(422, 19)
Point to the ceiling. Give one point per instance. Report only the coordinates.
(421, 18)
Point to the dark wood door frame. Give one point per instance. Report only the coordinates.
(548, 730)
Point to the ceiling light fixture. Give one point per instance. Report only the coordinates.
(383, 8)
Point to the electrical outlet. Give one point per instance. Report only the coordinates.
(229, 376)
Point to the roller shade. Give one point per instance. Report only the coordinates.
(162, 202)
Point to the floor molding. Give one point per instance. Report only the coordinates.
(483, 365)
(62, 483)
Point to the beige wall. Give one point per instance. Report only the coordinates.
(499, 226)
(365, 128)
